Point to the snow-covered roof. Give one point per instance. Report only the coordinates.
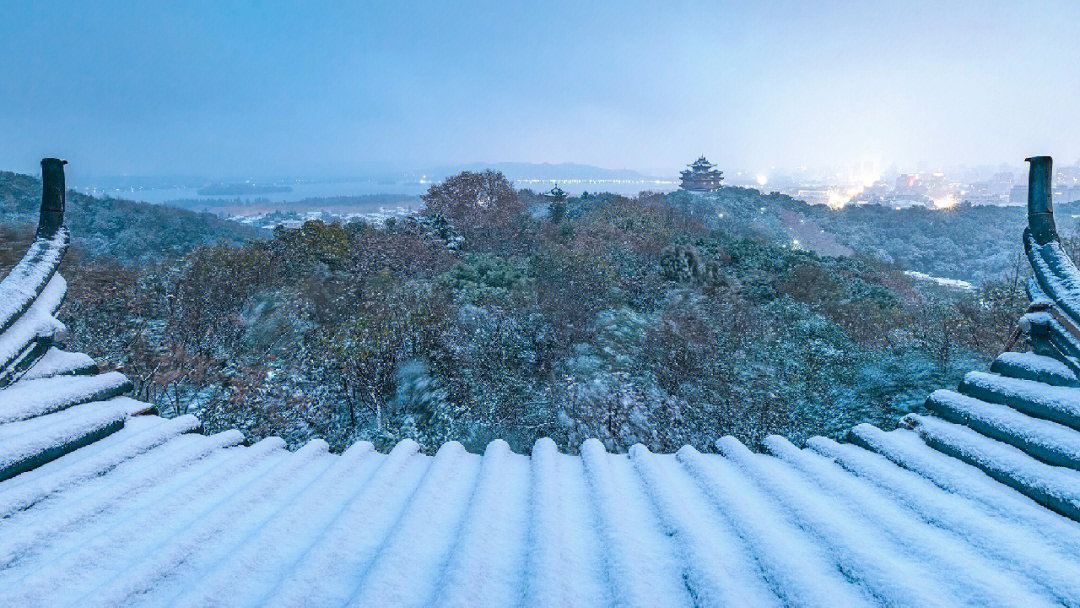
(103, 504)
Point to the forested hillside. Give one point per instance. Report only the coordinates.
(973, 244)
(660, 319)
(970, 243)
(127, 231)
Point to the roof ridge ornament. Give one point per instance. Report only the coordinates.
(53, 193)
(1040, 199)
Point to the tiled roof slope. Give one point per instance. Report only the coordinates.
(974, 504)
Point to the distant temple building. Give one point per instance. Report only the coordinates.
(701, 177)
(557, 204)
(556, 194)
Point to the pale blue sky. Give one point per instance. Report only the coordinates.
(255, 88)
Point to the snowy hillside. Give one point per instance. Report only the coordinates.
(103, 503)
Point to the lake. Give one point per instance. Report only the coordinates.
(323, 189)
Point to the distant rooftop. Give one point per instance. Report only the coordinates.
(556, 193)
(702, 163)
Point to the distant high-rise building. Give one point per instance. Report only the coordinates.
(1004, 178)
(701, 177)
(907, 182)
(1018, 194)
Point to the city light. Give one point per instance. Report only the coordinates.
(867, 183)
(945, 202)
(837, 198)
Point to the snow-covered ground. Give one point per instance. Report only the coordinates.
(950, 283)
(295, 220)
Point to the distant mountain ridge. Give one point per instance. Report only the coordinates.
(554, 171)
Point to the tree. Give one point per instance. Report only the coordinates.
(481, 205)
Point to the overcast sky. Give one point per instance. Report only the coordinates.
(230, 88)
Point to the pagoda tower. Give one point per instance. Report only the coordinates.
(557, 204)
(701, 177)
(556, 194)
